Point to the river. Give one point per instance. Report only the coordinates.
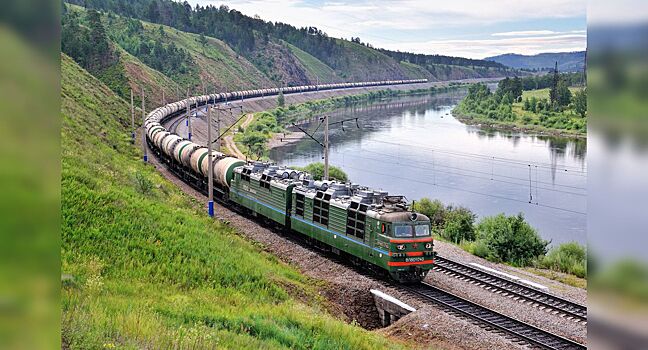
(414, 146)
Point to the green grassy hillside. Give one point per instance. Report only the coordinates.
(140, 75)
(144, 267)
(359, 63)
(215, 63)
(316, 69)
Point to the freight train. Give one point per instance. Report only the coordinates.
(369, 227)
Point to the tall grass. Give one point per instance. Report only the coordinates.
(568, 258)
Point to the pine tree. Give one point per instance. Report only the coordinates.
(553, 93)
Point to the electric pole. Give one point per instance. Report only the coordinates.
(326, 143)
(210, 164)
(326, 148)
(144, 128)
(132, 117)
(218, 144)
(188, 116)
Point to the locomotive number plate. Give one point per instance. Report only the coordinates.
(413, 259)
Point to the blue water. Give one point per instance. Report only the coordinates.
(413, 146)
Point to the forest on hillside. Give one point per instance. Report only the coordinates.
(247, 34)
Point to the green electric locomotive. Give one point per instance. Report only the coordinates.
(370, 227)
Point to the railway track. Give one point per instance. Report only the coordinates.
(512, 289)
(490, 320)
(523, 333)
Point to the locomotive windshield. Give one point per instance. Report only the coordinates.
(422, 230)
(403, 231)
(411, 230)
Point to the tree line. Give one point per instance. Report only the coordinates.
(245, 34)
(84, 39)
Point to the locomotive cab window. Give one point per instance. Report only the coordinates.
(422, 230)
(402, 231)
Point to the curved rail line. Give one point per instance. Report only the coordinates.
(512, 289)
(523, 332)
(492, 320)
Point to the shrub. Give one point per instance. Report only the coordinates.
(459, 225)
(480, 249)
(281, 100)
(255, 142)
(510, 239)
(143, 184)
(433, 209)
(568, 258)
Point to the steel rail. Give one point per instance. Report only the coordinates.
(513, 289)
(525, 333)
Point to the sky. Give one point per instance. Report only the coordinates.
(465, 28)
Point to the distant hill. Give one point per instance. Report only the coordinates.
(167, 45)
(567, 61)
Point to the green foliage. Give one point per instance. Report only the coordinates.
(580, 102)
(459, 225)
(510, 239)
(512, 87)
(562, 93)
(454, 224)
(84, 39)
(143, 184)
(433, 209)
(255, 142)
(317, 171)
(533, 111)
(537, 82)
(281, 100)
(153, 47)
(568, 258)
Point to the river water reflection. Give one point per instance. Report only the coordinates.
(415, 147)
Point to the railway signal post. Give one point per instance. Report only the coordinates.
(210, 164)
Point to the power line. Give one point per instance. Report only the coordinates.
(491, 173)
(482, 157)
(474, 176)
(469, 191)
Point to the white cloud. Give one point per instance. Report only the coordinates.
(481, 48)
(384, 23)
(526, 33)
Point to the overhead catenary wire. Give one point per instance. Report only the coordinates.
(492, 174)
(434, 171)
(468, 191)
(483, 157)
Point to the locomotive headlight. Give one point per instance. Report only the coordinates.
(400, 247)
(428, 245)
